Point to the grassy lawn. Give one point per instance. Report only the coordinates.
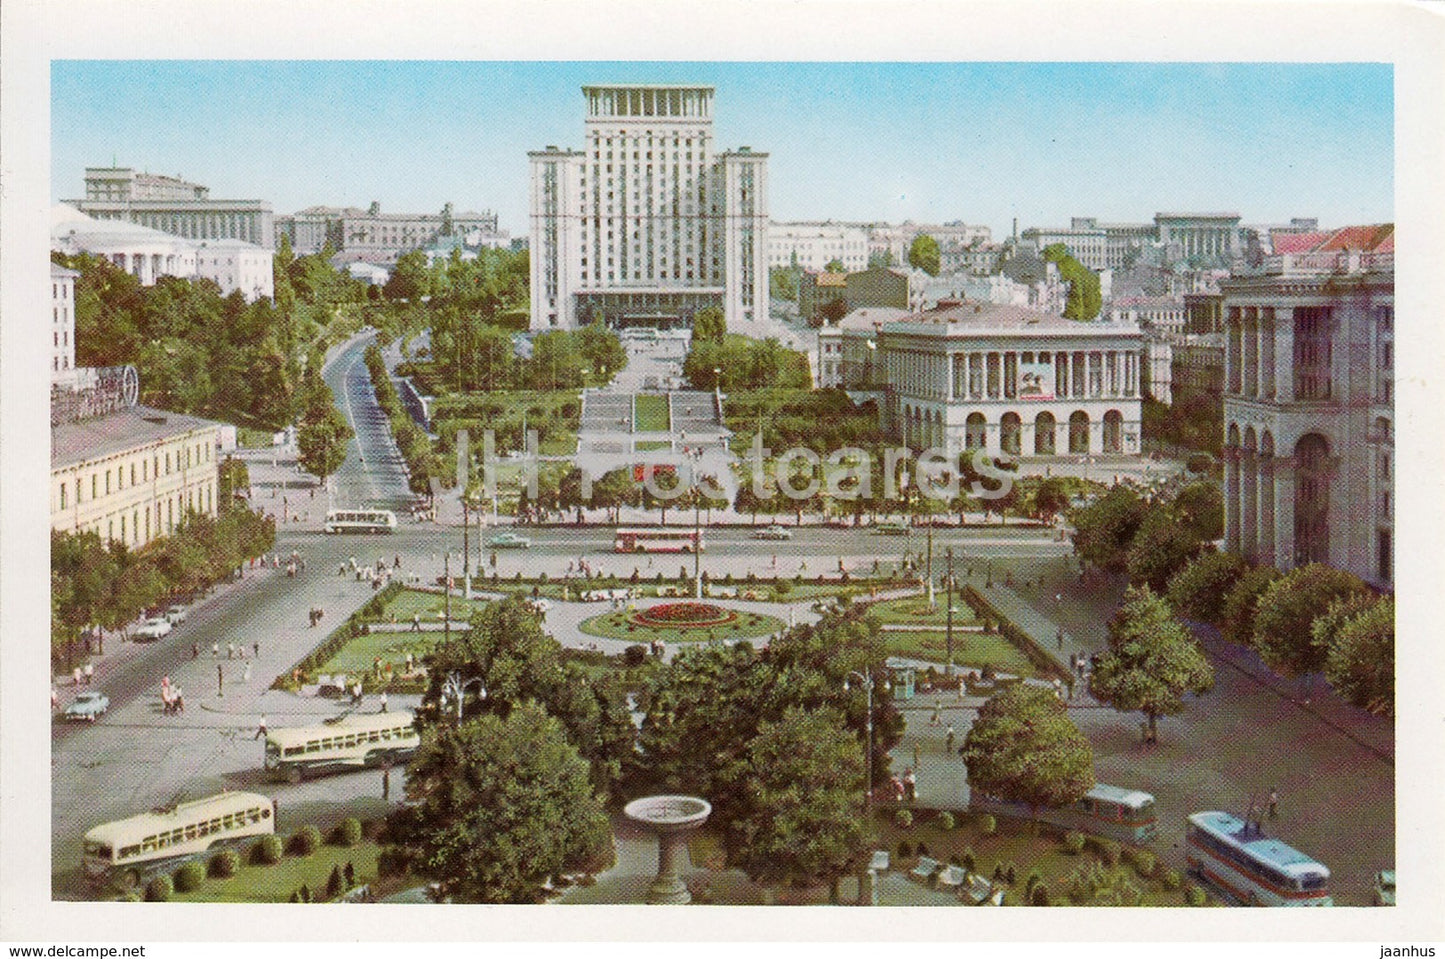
(975, 650)
(914, 611)
(646, 446)
(1014, 842)
(253, 439)
(615, 625)
(276, 883)
(358, 655)
(429, 606)
(651, 414)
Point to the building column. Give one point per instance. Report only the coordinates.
(1026, 437)
(1284, 355)
(1249, 505)
(1231, 498)
(1232, 336)
(1061, 436)
(1267, 533)
(1284, 467)
(1249, 353)
(1266, 354)
(1061, 375)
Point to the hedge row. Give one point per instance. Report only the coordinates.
(1041, 658)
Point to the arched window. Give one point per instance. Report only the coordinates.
(1312, 500)
(975, 431)
(1044, 434)
(1079, 432)
(1113, 432)
(1010, 433)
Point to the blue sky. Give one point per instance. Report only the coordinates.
(978, 142)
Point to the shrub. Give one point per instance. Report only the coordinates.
(1073, 843)
(1236, 618)
(334, 885)
(304, 841)
(1010, 872)
(998, 873)
(128, 897)
(1109, 851)
(348, 832)
(189, 877)
(634, 655)
(922, 849)
(265, 851)
(295, 896)
(1194, 896)
(1199, 591)
(905, 849)
(1032, 880)
(987, 824)
(224, 864)
(903, 819)
(159, 889)
(1199, 462)
(1145, 862)
(304, 893)
(968, 860)
(1039, 895)
(391, 862)
(945, 821)
(1171, 879)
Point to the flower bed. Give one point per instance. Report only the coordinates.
(683, 615)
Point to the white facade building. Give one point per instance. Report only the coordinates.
(813, 245)
(1309, 447)
(649, 222)
(62, 323)
(1086, 242)
(847, 351)
(237, 265)
(172, 205)
(953, 240)
(1012, 381)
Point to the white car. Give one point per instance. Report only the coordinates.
(153, 629)
(176, 615)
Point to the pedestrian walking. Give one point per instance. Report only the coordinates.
(246, 674)
(416, 622)
(1274, 804)
(937, 718)
(915, 754)
(78, 676)
(89, 673)
(230, 650)
(195, 651)
(178, 700)
(910, 785)
(260, 729)
(220, 681)
(948, 740)
(256, 648)
(383, 700)
(1060, 638)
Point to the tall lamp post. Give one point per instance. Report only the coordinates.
(866, 681)
(696, 456)
(948, 663)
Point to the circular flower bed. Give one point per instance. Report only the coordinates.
(683, 615)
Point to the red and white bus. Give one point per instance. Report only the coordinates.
(1239, 860)
(658, 541)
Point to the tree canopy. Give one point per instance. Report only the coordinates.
(1085, 299)
(1152, 661)
(1024, 748)
(923, 254)
(1162, 546)
(708, 325)
(1360, 664)
(1104, 529)
(745, 364)
(498, 806)
(1198, 591)
(1286, 612)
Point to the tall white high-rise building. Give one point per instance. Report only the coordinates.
(648, 223)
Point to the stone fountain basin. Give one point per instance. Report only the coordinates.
(668, 813)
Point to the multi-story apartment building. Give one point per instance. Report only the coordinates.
(173, 206)
(1309, 404)
(955, 239)
(648, 223)
(373, 236)
(1212, 237)
(813, 245)
(62, 322)
(1084, 239)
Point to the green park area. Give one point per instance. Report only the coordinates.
(554, 415)
(685, 621)
(971, 650)
(651, 414)
(917, 611)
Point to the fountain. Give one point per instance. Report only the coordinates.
(671, 818)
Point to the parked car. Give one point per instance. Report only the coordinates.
(153, 629)
(176, 615)
(773, 532)
(1385, 887)
(89, 707)
(508, 540)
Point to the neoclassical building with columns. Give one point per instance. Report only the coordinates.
(1309, 405)
(1012, 381)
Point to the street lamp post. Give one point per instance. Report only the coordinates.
(466, 550)
(866, 680)
(696, 457)
(948, 663)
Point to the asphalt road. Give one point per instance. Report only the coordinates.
(374, 473)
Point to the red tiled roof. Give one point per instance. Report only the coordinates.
(1296, 242)
(1364, 238)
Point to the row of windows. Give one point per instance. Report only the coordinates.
(350, 741)
(194, 831)
(60, 291)
(1246, 863)
(184, 459)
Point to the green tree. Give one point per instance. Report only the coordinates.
(1162, 546)
(783, 283)
(233, 478)
(602, 351)
(410, 278)
(497, 807)
(803, 825)
(708, 325)
(1360, 665)
(1237, 614)
(1024, 748)
(321, 439)
(1104, 529)
(1198, 591)
(1200, 507)
(924, 255)
(1152, 661)
(1286, 611)
(881, 258)
(835, 266)
(1085, 299)
(1051, 498)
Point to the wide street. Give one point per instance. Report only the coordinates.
(1250, 734)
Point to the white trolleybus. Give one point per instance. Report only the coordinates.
(1240, 861)
(657, 540)
(128, 852)
(1124, 814)
(353, 741)
(360, 521)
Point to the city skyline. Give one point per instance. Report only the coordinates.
(1119, 142)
